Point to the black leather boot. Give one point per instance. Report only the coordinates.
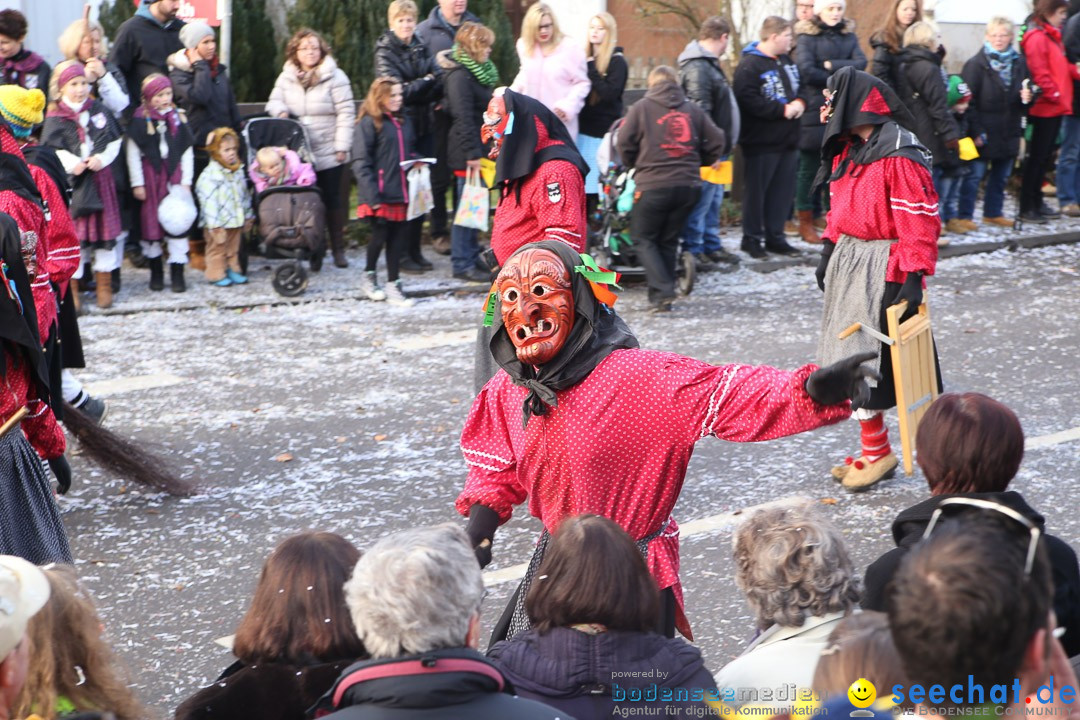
(116, 280)
(157, 274)
(176, 275)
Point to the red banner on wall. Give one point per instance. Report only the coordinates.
(190, 10)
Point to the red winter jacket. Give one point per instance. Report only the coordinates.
(1050, 70)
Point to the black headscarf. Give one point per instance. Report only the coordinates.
(519, 157)
(15, 176)
(859, 98)
(597, 332)
(47, 159)
(18, 317)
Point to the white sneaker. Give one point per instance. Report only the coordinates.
(369, 285)
(396, 296)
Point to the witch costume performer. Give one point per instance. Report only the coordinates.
(580, 420)
(540, 175)
(30, 525)
(879, 243)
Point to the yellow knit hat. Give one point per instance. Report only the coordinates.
(21, 109)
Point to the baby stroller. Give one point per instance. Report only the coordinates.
(291, 219)
(612, 247)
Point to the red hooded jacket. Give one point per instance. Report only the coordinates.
(1050, 70)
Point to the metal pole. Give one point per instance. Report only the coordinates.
(225, 15)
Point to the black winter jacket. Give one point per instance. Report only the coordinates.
(209, 101)
(454, 683)
(411, 64)
(377, 157)
(923, 90)
(604, 105)
(996, 111)
(705, 85)
(884, 63)
(142, 47)
(437, 34)
(817, 43)
(577, 673)
(908, 528)
(763, 86)
(465, 100)
(38, 78)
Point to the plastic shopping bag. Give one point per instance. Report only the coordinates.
(421, 198)
(472, 211)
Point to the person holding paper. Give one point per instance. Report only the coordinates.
(767, 88)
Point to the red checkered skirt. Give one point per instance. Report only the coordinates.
(99, 231)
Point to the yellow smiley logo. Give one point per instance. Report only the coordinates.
(862, 693)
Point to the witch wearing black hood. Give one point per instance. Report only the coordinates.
(540, 176)
(879, 244)
(580, 420)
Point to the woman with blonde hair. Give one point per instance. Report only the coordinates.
(553, 67)
(314, 89)
(607, 71)
(72, 668)
(84, 40)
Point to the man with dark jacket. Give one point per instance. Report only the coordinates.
(665, 139)
(767, 87)
(144, 42)
(415, 600)
(705, 84)
(437, 33)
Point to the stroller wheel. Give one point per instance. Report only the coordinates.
(290, 279)
(685, 273)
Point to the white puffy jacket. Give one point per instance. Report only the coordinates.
(326, 109)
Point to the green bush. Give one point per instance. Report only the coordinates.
(254, 64)
(112, 15)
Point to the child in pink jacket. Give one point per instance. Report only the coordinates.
(278, 166)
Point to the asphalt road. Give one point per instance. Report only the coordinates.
(368, 401)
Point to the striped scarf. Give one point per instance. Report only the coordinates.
(486, 74)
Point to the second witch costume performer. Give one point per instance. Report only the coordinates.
(580, 420)
(879, 244)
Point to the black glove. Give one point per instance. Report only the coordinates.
(827, 248)
(62, 471)
(481, 529)
(842, 380)
(912, 292)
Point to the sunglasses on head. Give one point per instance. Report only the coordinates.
(952, 507)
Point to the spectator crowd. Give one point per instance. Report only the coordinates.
(141, 143)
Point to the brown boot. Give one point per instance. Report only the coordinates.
(104, 289)
(806, 227)
(197, 254)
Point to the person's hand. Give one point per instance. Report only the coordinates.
(62, 471)
(561, 114)
(79, 169)
(376, 206)
(341, 156)
(823, 114)
(792, 110)
(186, 187)
(912, 293)
(283, 114)
(843, 380)
(95, 70)
(979, 141)
(481, 530)
(952, 144)
(1026, 95)
(717, 165)
(94, 163)
(139, 193)
(828, 64)
(473, 164)
(827, 248)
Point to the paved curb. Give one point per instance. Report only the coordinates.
(765, 266)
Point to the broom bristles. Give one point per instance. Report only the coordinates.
(122, 457)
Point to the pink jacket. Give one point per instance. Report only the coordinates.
(560, 80)
(296, 173)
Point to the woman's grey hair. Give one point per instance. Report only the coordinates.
(791, 564)
(415, 591)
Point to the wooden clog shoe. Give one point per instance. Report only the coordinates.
(862, 475)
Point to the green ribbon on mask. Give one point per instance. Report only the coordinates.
(489, 309)
(591, 271)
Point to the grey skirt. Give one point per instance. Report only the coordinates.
(30, 525)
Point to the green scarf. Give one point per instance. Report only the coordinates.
(486, 74)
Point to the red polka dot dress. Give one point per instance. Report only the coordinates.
(618, 443)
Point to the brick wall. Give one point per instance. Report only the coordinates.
(647, 41)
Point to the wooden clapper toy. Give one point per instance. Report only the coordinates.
(912, 349)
